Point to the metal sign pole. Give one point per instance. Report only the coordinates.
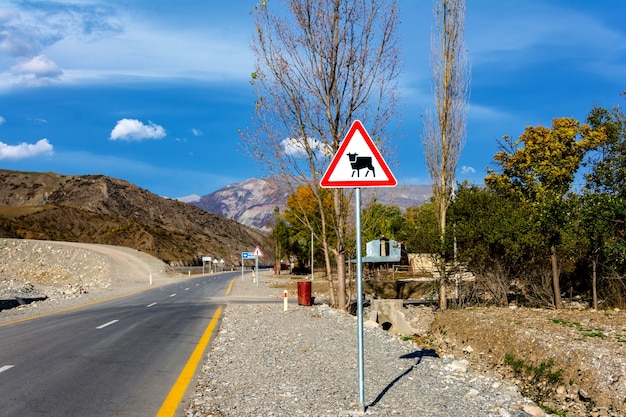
(256, 269)
(312, 257)
(242, 266)
(359, 298)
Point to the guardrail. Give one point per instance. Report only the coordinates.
(196, 270)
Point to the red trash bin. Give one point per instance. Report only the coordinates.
(304, 293)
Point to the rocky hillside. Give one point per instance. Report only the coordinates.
(252, 202)
(99, 209)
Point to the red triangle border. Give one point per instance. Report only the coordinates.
(327, 183)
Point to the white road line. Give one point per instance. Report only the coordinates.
(102, 326)
(173, 295)
(187, 289)
(152, 304)
(6, 368)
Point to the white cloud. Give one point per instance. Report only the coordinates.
(36, 71)
(99, 41)
(465, 170)
(297, 147)
(133, 129)
(2, 120)
(196, 132)
(29, 28)
(18, 37)
(155, 52)
(25, 150)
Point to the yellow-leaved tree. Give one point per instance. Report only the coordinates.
(538, 169)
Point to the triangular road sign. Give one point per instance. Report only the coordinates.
(257, 252)
(358, 163)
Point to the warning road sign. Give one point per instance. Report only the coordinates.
(358, 163)
(257, 252)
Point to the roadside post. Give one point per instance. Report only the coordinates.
(257, 253)
(244, 256)
(358, 164)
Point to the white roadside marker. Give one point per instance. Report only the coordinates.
(285, 302)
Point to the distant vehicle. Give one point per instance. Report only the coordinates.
(283, 267)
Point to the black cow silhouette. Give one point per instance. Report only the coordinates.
(360, 162)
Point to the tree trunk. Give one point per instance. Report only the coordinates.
(556, 286)
(443, 273)
(443, 297)
(341, 281)
(326, 251)
(594, 281)
(329, 274)
(340, 256)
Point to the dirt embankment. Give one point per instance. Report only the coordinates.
(572, 361)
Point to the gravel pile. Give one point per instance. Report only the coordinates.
(70, 274)
(32, 268)
(303, 362)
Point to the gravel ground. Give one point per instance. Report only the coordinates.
(303, 362)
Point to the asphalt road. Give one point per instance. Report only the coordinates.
(115, 358)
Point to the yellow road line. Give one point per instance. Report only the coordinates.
(230, 286)
(170, 405)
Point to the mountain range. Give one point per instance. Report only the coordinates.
(100, 209)
(252, 202)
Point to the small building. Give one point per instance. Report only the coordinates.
(380, 257)
(382, 250)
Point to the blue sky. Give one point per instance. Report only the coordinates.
(154, 91)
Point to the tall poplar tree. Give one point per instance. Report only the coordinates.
(444, 133)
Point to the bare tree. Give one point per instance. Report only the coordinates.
(320, 64)
(444, 133)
